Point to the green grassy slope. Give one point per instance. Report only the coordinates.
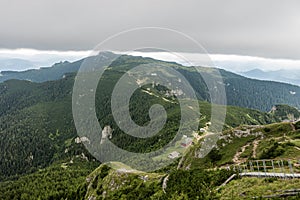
(274, 141)
(201, 178)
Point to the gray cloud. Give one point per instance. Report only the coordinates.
(258, 28)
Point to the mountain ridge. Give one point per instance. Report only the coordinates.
(281, 75)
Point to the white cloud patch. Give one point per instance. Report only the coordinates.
(235, 63)
(41, 58)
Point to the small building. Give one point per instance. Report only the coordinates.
(202, 130)
(82, 140)
(186, 142)
(174, 155)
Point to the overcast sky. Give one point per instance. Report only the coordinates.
(256, 28)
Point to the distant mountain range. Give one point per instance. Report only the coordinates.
(282, 75)
(16, 64)
(241, 91)
(16, 68)
(54, 72)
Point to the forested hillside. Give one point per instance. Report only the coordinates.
(37, 127)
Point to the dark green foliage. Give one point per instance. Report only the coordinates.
(276, 129)
(104, 171)
(136, 190)
(273, 151)
(237, 116)
(270, 180)
(55, 72)
(115, 185)
(286, 112)
(181, 184)
(214, 155)
(245, 92)
(53, 182)
(139, 107)
(261, 95)
(196, 184)
(297, 125)
(25, 131)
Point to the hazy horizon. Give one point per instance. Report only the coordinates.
(231, 62)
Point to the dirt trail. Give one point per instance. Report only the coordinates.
(199, 137)
(255, 145)
(297, 148)
(236, 158)
(293, 127)
(164, 185)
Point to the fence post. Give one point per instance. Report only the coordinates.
(282, 165)
(251, 166)
(265, 169)
(291, 168)
(273, 168)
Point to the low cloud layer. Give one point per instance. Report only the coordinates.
(234, 63)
